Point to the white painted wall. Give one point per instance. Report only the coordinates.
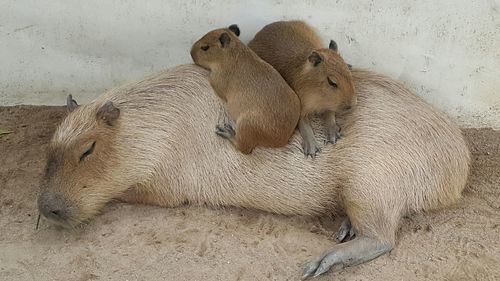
(448, 51)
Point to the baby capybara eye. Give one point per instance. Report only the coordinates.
(204, 48)
(332, 83)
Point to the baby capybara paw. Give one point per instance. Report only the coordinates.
(310, 148)
(334, 135)
(226, 131)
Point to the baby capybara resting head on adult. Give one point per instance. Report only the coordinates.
(319, 75)
(217, 47)
(264, 108)
(296, 51)
(81, 161)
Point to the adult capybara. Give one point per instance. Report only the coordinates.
(152, 142)
(318, 75)
(264, 108)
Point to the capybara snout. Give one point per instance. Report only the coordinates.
(54, 206)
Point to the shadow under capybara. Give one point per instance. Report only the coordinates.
(264, 108)
(152, 142)
(318, 75)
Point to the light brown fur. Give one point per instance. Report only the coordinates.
(287, 46)
(400, 156)
(264, 108)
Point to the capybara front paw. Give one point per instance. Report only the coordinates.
(226, 131)
(310, 149)
(334, 136)
(346, 231)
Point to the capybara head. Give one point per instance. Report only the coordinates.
(216, 47)
(80, 164)
(326, 77)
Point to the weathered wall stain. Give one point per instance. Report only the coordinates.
(447, 51)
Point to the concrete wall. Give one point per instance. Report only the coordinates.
(448, 51)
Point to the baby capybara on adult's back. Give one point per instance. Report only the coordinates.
(318, 75)
(264, 108)
(152, 142)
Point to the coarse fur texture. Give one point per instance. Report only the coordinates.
(264, 108)
(400, 156)
(318, 75)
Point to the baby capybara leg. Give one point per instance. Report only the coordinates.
(241, 138)
(309, 144)
(246, 133)
(332, 129)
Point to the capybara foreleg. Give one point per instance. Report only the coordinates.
(309, 144)
(332, 129)
(346, 231)
(354, 252)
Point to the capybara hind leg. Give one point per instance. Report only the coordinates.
(332, 129)
(309, 144)
(239, 141)
(247, 130)
(346, 231)
(354, 252)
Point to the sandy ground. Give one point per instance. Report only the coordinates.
(132, 242)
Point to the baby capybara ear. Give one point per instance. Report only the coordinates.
(333, 46)
(315, 58)
(71, 103)
(224, 40)
(108, 113)
(235, 29)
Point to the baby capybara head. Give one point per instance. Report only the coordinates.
(80, 163)
(326, 77)
(216, 47)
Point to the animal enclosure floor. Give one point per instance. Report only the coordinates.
(132, 242)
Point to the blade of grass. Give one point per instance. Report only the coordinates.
(5, 131)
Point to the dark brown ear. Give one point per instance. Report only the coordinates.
(349, 66)
(108, 113)
(224, 40)
(315, 58)
(235, 29)
(71, 103)
(333, 46)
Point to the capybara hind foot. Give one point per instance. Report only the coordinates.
(354, 252)
(226, 131)
(346, 231)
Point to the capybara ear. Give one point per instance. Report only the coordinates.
(333, 46)
(235, 29)
(71, 103)
(315, 58)
(349, 66)
(224, 40)
(108, 113)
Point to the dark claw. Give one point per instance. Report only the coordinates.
(225, 131)
(308, 153)
(346, 231)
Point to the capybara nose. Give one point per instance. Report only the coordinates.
(348, 108)
(53, 206)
